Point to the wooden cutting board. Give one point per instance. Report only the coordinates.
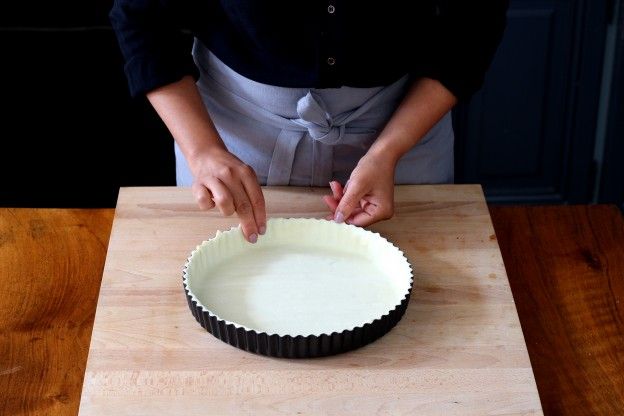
(459, 349)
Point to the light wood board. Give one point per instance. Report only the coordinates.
(459, 349)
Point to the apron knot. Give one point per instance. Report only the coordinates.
(314, 117)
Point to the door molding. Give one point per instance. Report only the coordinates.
(612, 178)
(562, 166)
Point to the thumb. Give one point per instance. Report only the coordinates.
(349, 202)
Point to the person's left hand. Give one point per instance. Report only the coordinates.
(368, 196)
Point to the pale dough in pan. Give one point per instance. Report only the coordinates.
(303, 277)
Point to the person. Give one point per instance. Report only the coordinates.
(307, 93)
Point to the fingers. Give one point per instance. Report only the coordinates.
(331, 203)
(203, 196)
(244, 210)
(370, 214)
(350, 201)
(222, 197)
(256, 198)
(330, 217)
(361, 210)
(247, 198)
(337, 190)
(225, 181)
(332, 200)
(236, 190)
(364, 217)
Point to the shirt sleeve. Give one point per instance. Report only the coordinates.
(152, 41)
(465, 36)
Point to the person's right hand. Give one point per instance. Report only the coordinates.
(223, 180)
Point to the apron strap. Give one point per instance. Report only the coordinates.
(283, 157)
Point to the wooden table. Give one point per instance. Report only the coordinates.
(568, 299)
(566, 269)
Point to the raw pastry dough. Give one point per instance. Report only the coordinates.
(303, 277)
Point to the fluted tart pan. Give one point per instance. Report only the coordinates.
(307, 288)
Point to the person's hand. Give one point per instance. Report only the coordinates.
(223, 180)
(368, 196)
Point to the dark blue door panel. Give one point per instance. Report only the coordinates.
(515, 135)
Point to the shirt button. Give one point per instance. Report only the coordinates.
(331, 61)
(331, 9)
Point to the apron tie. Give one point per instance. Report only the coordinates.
(315, 118)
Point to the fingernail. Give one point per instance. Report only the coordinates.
(339, 217)
(253, 238)
(262, 229)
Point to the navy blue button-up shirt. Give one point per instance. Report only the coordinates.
(312, 43)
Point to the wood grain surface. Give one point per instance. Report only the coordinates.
(41, 366)
(566, 269)
(459, 350)
(51, 263)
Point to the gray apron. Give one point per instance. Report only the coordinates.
(308, 136)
